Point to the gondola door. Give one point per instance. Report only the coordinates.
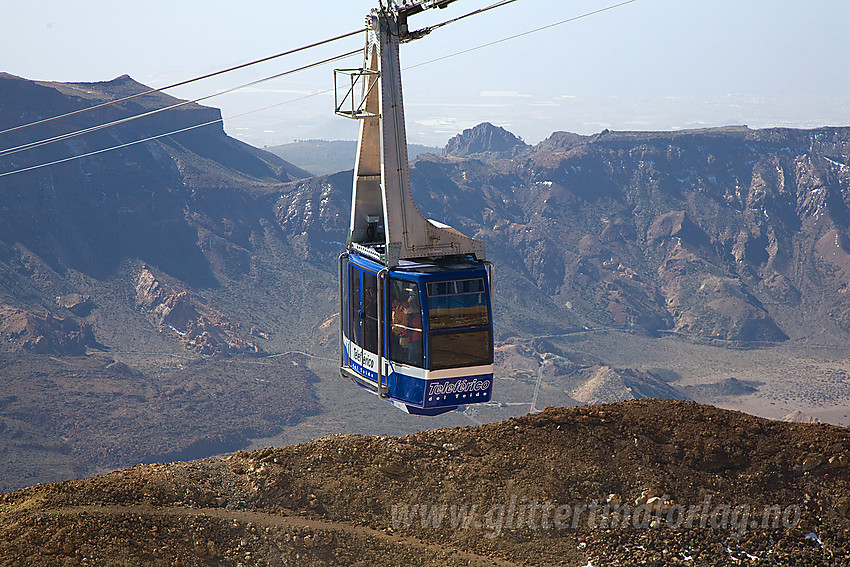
(363, 321)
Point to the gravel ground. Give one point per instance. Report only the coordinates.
(644, 482)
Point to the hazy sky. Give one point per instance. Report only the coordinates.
(648, 65)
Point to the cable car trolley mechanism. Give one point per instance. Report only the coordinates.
(415, 314)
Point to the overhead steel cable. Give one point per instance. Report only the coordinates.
(195, 126)
(535, 30)
(429, 29)
(91, 129)
(163, 135)
(182, 83)
(39, 143)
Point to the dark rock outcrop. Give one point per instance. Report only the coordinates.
(483, 139)
(44, 333)
(200, 327)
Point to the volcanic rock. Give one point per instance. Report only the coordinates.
(483, 139)
(201, 328)
(44, 333)
(78, 304)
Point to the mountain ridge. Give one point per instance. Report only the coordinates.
(484, 138)
(325, 157)
(150, 235)
(196, 272)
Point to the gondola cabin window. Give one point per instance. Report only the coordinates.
(457, 304)
(406, 324)
(370, 312)
(457, 309)
(354, 305)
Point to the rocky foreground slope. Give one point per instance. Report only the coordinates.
(648, 482)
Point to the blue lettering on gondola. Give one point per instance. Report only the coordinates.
(363, 365)
(458, 387)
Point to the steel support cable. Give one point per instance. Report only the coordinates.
(193, 127)
(39, 143)
(535, 30)
(118, 147)
(182, 83)
(91, 129)
(418, 34)
(574, 18)
(429, 29)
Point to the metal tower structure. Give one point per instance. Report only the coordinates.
(386, 225)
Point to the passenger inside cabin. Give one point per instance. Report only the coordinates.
(406, 342)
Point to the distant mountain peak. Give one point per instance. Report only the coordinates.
(484, 138)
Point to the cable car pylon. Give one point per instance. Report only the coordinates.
(415, 312)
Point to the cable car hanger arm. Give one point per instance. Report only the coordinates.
(400, 10)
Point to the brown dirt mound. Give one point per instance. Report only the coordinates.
(643, 482)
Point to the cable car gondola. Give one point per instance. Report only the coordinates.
(415, 313)
(420, 334)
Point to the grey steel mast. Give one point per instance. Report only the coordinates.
(386, 225)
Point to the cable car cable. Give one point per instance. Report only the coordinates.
(574, 18)
(17, 149)
(186, 129)
(182, 83)
(90, 129)
(10, 151)
(429, 29)
(158, 136)
(535, 30)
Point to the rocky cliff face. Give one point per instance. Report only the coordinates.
(715, 234)
(484, 139)
(44, 333)
(200, 327)
(729, 235)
